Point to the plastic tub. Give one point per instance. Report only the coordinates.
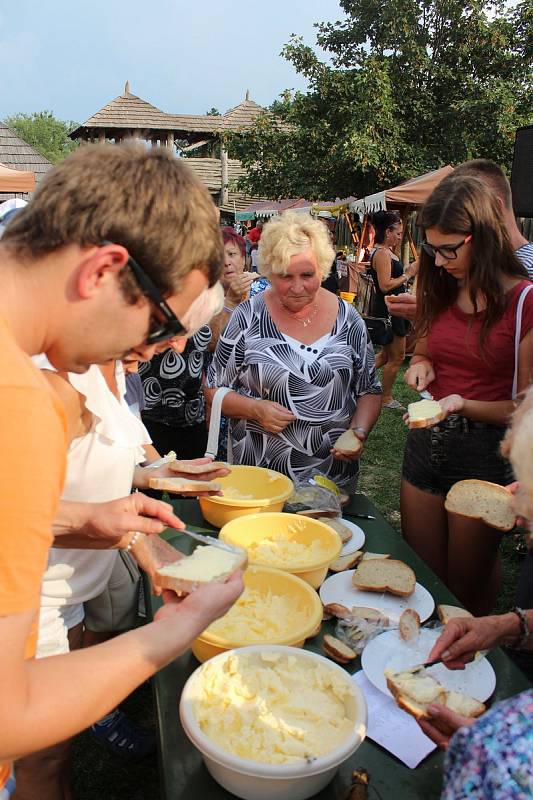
(248, 530)
(260, 781)
(261, 489)
(208, 644)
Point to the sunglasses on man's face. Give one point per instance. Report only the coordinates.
(167, 325)
(447, 251)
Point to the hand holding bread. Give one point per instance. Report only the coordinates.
(441, 723)
(349, 446)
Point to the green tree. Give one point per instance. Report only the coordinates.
(409, 85)
(213, 112)
(45, 133)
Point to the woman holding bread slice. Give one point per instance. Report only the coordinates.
(473, 302)
(298, 362)
(491, 757)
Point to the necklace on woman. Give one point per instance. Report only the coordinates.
(305, 321)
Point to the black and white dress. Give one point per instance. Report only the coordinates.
(319, 383)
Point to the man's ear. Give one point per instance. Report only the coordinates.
(97, 266)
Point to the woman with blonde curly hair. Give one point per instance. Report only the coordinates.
(298, 361)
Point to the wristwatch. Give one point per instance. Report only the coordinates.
(361, 430)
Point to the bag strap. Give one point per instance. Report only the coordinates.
(518, 330)
(214, 424)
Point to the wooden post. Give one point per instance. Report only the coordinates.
(351, 228)
(362, 239)
(224, 175)
(170, 140)
(101, 136)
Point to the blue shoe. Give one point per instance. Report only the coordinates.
(123, 737)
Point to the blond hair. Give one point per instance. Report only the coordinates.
(290, 234)
(144, 199)
(518, 448)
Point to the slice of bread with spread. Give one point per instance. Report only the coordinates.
(424, 413)
(208, 564)
(414, 690)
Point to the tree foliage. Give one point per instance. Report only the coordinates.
(48, 135)
(407, 86)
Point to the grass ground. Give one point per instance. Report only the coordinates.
(99, 775)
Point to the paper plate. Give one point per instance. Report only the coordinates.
(339, 589)
(389, 651)
(356, 542)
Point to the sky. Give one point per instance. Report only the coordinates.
(183, 57)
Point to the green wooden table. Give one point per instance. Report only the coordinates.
(182, 774)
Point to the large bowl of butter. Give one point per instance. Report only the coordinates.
(275, 608)
(246, 490)
(290, 542)
(272, 722)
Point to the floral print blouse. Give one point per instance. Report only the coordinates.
(493, 759)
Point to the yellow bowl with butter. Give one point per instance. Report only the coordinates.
(275, 608)
(246, 490)
(290, 542)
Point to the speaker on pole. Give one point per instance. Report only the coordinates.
(522, 174)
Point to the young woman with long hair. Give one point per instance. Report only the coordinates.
(469, 287)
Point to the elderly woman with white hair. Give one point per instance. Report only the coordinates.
(298, 361)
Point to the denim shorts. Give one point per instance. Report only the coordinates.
(454, 450)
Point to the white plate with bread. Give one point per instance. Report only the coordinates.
(356, 542)
(389, 651)
(385, 584)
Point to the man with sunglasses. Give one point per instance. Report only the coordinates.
(103, 262)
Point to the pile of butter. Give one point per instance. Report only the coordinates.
(259, 616)
(278, 551)
(273, 708)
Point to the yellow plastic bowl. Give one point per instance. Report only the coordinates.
(269, 492)
(348, 296)
(249, 530)
(264, 578)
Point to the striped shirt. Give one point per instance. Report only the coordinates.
(525, 255)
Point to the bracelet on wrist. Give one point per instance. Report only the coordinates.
(133, 541)
(361, 430)
(522, 639)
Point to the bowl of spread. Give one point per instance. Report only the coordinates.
(290, 542)
(273, 722)
(246, 490)
(275, 608)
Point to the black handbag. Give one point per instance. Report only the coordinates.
(379, 328)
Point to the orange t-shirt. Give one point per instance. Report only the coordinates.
(32, 472)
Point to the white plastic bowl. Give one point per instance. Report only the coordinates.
(252, 780)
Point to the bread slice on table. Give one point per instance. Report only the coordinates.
(384, 575)
(482, 500)
(369, 614)
(348, 444)
(338, 526)
(446, 613)
(409, 625)
(424, 413)
(337, 650)
(209, 564)
(179, 485)
(414, 690)
(346, 562)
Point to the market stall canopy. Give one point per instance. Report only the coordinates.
(413, 192)
(270, 208)
(16, 180)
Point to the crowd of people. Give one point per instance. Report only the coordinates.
(124, 327)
